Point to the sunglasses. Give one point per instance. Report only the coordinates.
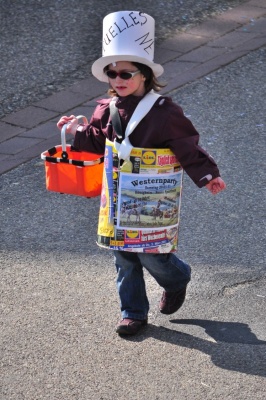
(122, 75)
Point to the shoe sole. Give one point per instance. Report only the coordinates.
(167, 312)
(123, 331)
(171, 312)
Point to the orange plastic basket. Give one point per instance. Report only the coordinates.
(73, 172)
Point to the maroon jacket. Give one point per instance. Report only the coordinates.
(165, 126)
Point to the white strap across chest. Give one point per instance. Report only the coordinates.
(141, 110)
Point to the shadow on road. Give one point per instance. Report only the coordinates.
(232, 345)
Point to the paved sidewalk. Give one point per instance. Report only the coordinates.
(186, 57)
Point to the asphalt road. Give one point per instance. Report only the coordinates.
(59, 302)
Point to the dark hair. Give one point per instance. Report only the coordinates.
(151, 82)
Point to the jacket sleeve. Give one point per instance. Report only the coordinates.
(92, 137)
(183, 139)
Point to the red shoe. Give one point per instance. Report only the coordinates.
(130, 326)
(172, 301)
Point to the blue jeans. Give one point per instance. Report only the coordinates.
(170, 272)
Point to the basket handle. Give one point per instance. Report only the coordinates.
(63, 136)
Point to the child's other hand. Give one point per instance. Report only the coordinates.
(216, 185)
(71, 121)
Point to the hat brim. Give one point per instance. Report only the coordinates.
(99, 65)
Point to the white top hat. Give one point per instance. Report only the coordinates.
(127, 36)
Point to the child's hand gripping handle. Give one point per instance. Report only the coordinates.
(70, 127)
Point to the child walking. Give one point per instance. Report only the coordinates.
(127, 65)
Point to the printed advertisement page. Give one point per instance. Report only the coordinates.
(140, 201)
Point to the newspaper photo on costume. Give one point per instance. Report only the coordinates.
(148, 201)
